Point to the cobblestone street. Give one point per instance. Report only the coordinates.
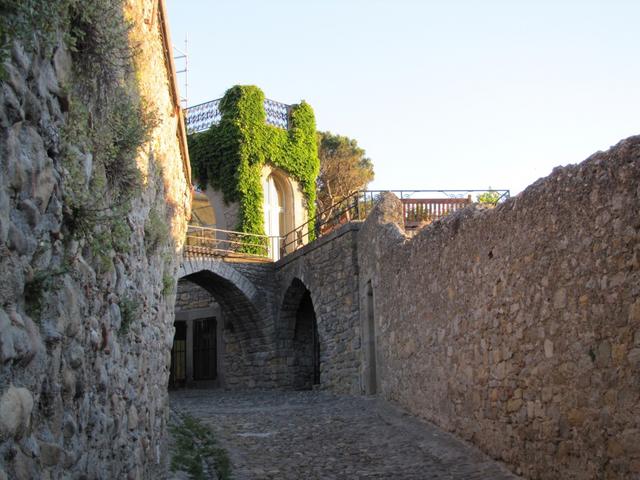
(289, 435)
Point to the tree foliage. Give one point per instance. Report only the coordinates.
(344, 169)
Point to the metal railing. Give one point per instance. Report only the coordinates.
(208, 241)
(200, 117)
(277, 113)
(418, 210)
(421, 211)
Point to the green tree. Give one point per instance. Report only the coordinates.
(344, 170)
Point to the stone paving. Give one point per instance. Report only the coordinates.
(289, 435)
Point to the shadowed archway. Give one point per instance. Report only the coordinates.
(224, 326)
(237, 308)
(298, 318)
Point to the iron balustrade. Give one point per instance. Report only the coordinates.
(200, 117)
(416, 211)
(277, 113)
(208, 241)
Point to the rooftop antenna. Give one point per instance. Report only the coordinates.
(184, 56)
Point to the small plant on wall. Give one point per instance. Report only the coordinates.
(230, 155)
(490, 197)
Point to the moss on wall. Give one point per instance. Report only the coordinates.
(229, 156)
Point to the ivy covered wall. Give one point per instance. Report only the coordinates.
(230, 155)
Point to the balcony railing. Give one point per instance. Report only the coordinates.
(421, 211)
(201, 117)
(417, 210)
(215, 242)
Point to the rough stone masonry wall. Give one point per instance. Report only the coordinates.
(518, 328)
(81, 394)
(328, 268)
(251, 355)
(190, 296)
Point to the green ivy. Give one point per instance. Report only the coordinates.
(230, 155)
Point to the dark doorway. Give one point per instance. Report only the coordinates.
(224, 331)
(372, 375)
(178, 371)
(205, 349)
(306, 344)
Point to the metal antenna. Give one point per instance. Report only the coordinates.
(183, 55)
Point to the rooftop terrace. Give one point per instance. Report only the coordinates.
(200, 117)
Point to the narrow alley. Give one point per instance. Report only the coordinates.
(289, 435)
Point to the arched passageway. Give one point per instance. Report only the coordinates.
(301, 329)
(197, 351)
(219, 334)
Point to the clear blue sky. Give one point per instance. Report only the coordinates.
(441, 94)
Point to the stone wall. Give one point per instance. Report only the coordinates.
(328, 269)
(85, 324)
(246, 293)
(251, 354)
(518, 328)
(259, 303)
(190, 296)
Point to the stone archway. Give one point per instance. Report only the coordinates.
(298, 319)
(230, 276)
(231, 334)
